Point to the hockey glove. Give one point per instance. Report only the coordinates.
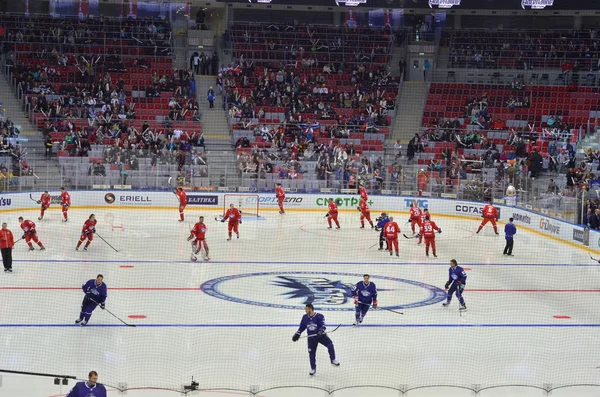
(22, 238)
(409, 220)
(439, 231)
(240, 221)
(191, 237)
(356, 301)
(102, 306)
(321, 331)
(461, 288)
(327, 215)
(418, 235)
(448, 284)
(66, 206)
(295, 337)
(374, 304)
(358, 208)
(39, 201)
(93, 230)
(223, 220)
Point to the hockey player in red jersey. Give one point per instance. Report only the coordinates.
(332, 215)
(65, 202)
(365, 213)
(234, 216)
(87, 233)
(391, 230)
(280, 194)
(363, 192)
(198, 235)
(424, 214)
(45, 202)
(489, 214)
(180, 193)
(29, 233)
(428, 229)
(415, 217)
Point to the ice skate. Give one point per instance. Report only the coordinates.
(31, 249)
(446, 304)
(85, 248)
(65, 220)
(77, 248)
(462, 307)
(312, 372)
(207, 258)
(229, 238)
(42, 248)
(83, 323)
(40, 218)
(78, 321)
(335, 363)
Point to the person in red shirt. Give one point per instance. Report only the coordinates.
(365, 213)
(391, 230)
(198, 235)
(280, 194)
(235, 218)
(7, 242)
(180, 193)
(363, 192)
(415, 217)
(489, 214)
(424, 214)
(65, 202)
(29, 233)
(89, 228)
(428, 229)
(45, 202)
(332, 215)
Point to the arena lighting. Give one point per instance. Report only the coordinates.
(444, 3)
(537, 4)
(261, 1)
(350, 3)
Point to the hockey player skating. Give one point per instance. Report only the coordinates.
(391, 230)
(234, 218)
(198, 235)
(381, 222)
(365, 294)
(489, 214)
(415, 217)
(44, 201)
(65, 202)
(314, 324)
(424, 214)
(456, 284)
(428, 229)
(332, 214)
(182, 197)
(280, 195)
(89, 388)
(95, 295)
(87, 233)
(29, 234)
(365, 213)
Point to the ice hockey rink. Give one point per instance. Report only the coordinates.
(532, 319)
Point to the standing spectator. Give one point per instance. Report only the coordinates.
(7, 242)
(49, 143)
(594, 220)
(210, 96)
(402, 67)
(426, 67)
(552, 188)
(509, 232)
(196, 62)
(89, 388)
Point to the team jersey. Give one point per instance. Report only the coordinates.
(82, 389)
(280, 194)
(428, 229)
(99, 292)
(366, 293)
(89, 226)
(415, 213)
(28, 227)
(364, 208)
(489, 211)
(199, 231)
(65, 199)
(363, 193)
(381, 224)
(391, 230)
(182, 197)
(45, 200)
(233, 215)
(312, 325)
(457, 275)
(333, 208)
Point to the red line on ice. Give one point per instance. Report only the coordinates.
(537, 290)
(112, 289)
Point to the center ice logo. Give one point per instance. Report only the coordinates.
(330, 291)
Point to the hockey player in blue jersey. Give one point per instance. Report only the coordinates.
(91, 388)
(381, 221)
(314, 324)
(456, 282)
(95, 294)
(365, 294)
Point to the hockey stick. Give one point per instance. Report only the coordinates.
(406, 237)
(101, 238)
(324, 333)
(389, 310)
(373, 245)
(594, 259)
(32, 199)
(109, 312)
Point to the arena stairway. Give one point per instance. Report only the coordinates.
(411, 103)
